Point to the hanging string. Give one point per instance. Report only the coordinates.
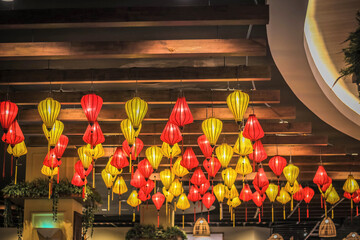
(212, 104)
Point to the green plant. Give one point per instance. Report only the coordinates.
(174, 232)
(151, 232)
(352, 55)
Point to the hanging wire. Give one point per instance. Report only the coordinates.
(290, 161)
(321, 162)
(92, 81)
(212, 103)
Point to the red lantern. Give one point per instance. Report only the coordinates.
(198, 177)
(61, 146)
(14, 134)
(204, 187)
(133, 151)
(259, 154)
(245, 196)
(208, 200)
(181, 114)
(171, 134)
(277, 165)
(321, 177)
(137, 179)
(51, 160)
(148, 187)
(79, 169)
(8, 112)
(205, 146)
(308, 195)
(91, 104)
(194, 194)
(93, 135)
(356, 199)
(158, 200)
(253, 129)
(189, 160)
(145, 168)
(299, 196)
(119, 159)
(77, 181)
(347, 195)
(260, 181)
(212, 166)
(143, 196)
(258, 199)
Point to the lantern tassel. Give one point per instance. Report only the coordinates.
(166, 207)
(325, 209)
(3, 174)
(133, 215)
(307, 211)
(272, 212)
(83, 193)
(245, 214)
(194, 214)
(12, 159)
(112, 195)
(292, 203)
(93, 175)
(299, 216)
(221, 211)
(16, 168)
(154, 186)
(259, 217)
(58, 175)
(357, 210)
(130, 165)
(50, 188)
(119, 206)
(321, 199)
(284, 212)
(108, 200)
(208, 217)
(158, 218)
(332, 213)
(234, 220)
(183, 220)
(351, 212)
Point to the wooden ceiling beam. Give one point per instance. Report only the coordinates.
(162, 114)
(133, 75)
(133, 49)
(135, 17)
(162, 97)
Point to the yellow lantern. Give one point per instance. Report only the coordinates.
(154, 155)
(283, 198)
(224, 153)
(169, 197)
(108, 180)
(111, 169)
(50, 173)
(170, 152)
(84, 158)
(243, 145)
(291, 172)
(129, 132)
(237, 103)
(167, 177)
(136, 110)
(49, 110)
(229, 176)
(350, 185)
(119, 188)
(17, 151)
(179, 170)
(54, 133)
(133, 201)
(272, 192)
(183, 204)
(231, 193)
(212, 128)
(233, 203)
(292, 189)
(176, 188)
(94, 153)
(243, 167)
(219, 191)
(332, 198)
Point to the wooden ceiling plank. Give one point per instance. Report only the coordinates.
(135, 17)
(133, 49)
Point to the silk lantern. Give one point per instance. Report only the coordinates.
(212, 128)
(171, 134)
(53, 135)
(356, 200)
(93, 135)
(219, 191)
(49, 110)
(133, 201)
(243, 145)
(119, 188)
(111, 169)
(60, 146)
(133, 151)
(119, 159)
(154, 155)
(77, 181)
(50, 173)
(245, 196)
(181, 114)
(145, 168)
(277, 165)
(51, 160)
(243, 167)
(158, 200)
(308, 195)
(258, 199)
(291, 172)
(136, 110)
(224, 153)
(170, 151)
(237, 103)
(148, 187)
(283, 198)
(169, 197)
(204, 187)
(94, 153)
(179, 170)
(129, 132)
(272, 192)
(183, 204)
(351, 186)
(212, 166)
(229, 176)
(108, 180)
(332, 198)
(91, 104)
(198, 177)
(167, 177)
(232, 192)
(137, 180)
(205, 146)
(299, 196)
(189, 159)
(322, 180)
(8, 112)
(260, 181)
(208, 199)
(233, 203)
(79, 169)
(17, 151)
(176, 188)
(259, 154)
(253, 129)
(194, 196)
(292, 189)
(85, 159)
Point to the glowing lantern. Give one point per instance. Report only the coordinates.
(77, 181)
(243, 167)
(179, 170)
(231, 193)
(258, 199)
(119, 159)
(145, 168)
(308, 195)
(233, 203)
(171, 134)
(292, 189)
(198, 177)
(8, 112)
(283, 198)
(204, 187)
(219, 191)
(170, 152)
(148, 187)
(259, 154)
(136, 110)
(260, 181)
(181, 114)
(208, 200)
(356, 200)
(93, 135)
(119, 188)
(61, 146)
(245, 196)
(224, 153)
(53, 135)
(169, 197)
(154, 155)
(108, 180)
(17, 151)
(194, 194)
(350, 184)
(272, 192)
(277, 165)
(14, 134)
(158, 200)
(212, 128)
(183, 204)
(79, 169)
(133, 201)
(91, 104)
(253, 129)
(85, 159)
(50, 173)
(237, 103)
(299, 196)
(212, 166)
(49, 110)
(291, 172)
(137, 180)
(167, 177)
(142, 196)
(94, 153)
(189, 160)
(332, 198)
(111, 169)
(51, 160)
(229, 176)
(205, 147)
(176, 188)
(243, 146)
(321, 178)
(129, 132)
(133, 151)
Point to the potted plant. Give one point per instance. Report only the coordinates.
(147, 232)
